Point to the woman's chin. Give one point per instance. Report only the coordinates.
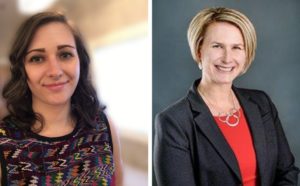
(57, 102)
(224, 81)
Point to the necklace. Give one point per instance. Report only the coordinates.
(231, 113)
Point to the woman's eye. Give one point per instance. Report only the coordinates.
(66, 55)
(217, 46)
(36, 59)
(237, 48)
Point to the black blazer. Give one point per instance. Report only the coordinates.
(190, 149)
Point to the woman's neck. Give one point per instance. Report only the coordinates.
(58, 119)
(218, 93)
(218, 97)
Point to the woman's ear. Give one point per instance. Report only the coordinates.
(199, 58)
(199, 53)
(200, 65)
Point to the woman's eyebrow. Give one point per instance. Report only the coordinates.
(43, 49)
(38, 50)
(63, 46)
(234, 44)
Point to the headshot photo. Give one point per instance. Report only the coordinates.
(67, 81)
(225, 94)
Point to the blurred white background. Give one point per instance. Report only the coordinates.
(116, 33)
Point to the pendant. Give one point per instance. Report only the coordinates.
(227, 121)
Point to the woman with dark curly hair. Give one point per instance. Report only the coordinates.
(56, 132)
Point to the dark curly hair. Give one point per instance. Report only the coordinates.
(19, 96)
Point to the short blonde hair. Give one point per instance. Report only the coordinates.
(206, 17)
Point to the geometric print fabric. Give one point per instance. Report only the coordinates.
(83, 157)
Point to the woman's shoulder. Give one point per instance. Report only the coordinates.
(175, 116)
(100, 120)
(6, 125)
(104, 125)
(258, 96)
(178, 107)
(252, 92)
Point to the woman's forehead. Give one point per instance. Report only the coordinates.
(223, 32)
(51, 35)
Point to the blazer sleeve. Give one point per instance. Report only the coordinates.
(172, 159)
(286, 171)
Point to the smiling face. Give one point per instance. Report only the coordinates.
(52, 65)
(222, 53)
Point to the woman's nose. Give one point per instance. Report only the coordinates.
(54, 68)
(227, 56)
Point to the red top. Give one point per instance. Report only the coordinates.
(240, 140)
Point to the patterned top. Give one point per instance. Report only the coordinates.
(83, 157)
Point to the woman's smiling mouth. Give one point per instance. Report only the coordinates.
(224, 69)
(56, 86)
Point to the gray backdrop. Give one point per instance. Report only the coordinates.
(275, 70)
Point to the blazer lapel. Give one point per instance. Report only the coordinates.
(205, 121)
(256, 126)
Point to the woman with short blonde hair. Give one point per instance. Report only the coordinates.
(220, 134)
(206, 17)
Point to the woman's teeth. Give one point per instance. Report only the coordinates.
(226, 69)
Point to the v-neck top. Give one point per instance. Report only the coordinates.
(240, 140)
